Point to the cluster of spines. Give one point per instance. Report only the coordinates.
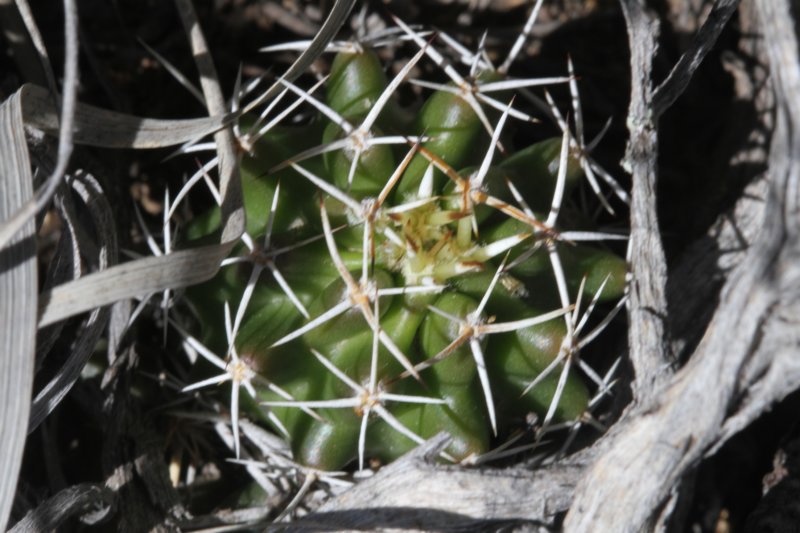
(462, 317)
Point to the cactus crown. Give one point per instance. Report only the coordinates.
(418, 276)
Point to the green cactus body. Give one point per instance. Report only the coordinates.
(423, 235)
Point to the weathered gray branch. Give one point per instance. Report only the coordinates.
(416, 493)
(647, 306)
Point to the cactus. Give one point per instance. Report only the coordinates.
(420, 280)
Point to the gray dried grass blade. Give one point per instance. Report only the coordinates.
(18, 288)
(108, 129)
(36, 42)
(336, 18)
(103, 221)
(230, 188)
(143, 276)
